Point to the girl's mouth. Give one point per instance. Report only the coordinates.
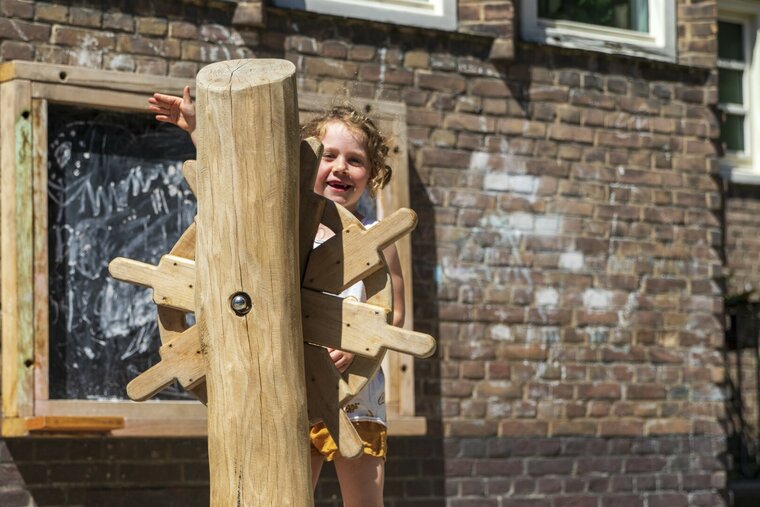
(336, 185)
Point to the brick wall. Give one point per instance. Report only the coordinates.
(13, 490)
(463, 472)
(569, 244)
(742, 223)
(742, 285)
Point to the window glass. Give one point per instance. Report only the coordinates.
(730, 41)
(625, 14)
(732, 132)
(731, 94)
(730, 86)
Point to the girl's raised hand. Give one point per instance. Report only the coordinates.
(177, 110)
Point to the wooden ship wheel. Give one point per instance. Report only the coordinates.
(247, 270)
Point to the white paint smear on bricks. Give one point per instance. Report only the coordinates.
(501, 332)
(571, 261)
(486, 161)
(505, 182)
(597, 299)
(547, 297)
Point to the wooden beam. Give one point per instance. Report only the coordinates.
(142, 84)
(247, 244)
(16, 249)
(68, 424)
(40, 238)
(95, 98)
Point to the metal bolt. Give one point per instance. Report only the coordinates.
(240, 302)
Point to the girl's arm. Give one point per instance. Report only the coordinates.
(177, 110)
(397, 280)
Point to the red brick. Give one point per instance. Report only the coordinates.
(182, 30)
(621, 427)
(51, 12)
(513, 428)
(82, 16)
(646, 392)
(600, 391)
(152, 26)
(23, 30)
(452, 83)
(137, 44)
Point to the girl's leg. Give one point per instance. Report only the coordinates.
(361, 480)
(316, 468)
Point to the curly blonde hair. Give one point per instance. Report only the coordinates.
(376, 143)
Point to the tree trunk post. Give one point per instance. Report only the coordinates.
(248, 304)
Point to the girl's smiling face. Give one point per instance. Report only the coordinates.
(343, 173)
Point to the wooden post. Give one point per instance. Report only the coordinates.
(248, 289)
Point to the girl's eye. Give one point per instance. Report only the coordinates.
(329, 156)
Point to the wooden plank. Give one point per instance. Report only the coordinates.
(164, 418)
(40, 211)
(151, 426)
(172, 280)
(17, 249)
(247, 234)
(14, 427)
(327, 390)
(69, 424)
(363, 329)
(181, 359)
(310, 205)
(164, 410)
(100, 99)
(400, 381)
(407, 426)
(142, 84)
(345, 259)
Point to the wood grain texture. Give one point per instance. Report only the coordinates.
(355, 253)
(40, 220)
(17, 249)
(311, 205)
(73, 424)
(172, 280)
(247, 181)
(181, 359)
(91, 78)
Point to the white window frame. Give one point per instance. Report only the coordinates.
(438, 14)
(657, 44)
(744, 167)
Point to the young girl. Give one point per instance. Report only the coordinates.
(354, 160)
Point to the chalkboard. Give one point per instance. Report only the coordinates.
(115, 189)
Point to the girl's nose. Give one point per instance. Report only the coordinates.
(340, 165)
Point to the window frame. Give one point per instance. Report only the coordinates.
(745, 167)
(26, 405)
(658, 44)
(441, 14)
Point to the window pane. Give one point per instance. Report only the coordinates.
(730, 41)
(732, 132)
(730, 86)
(626, 14)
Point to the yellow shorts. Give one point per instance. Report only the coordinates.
(374, 439)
